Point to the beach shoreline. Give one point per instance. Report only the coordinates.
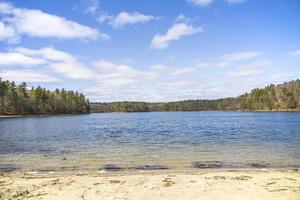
(197, 184)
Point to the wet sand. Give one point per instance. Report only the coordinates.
(264, 184)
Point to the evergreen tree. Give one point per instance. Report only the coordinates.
(19, 100)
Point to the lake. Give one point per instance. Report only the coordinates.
(153, 140)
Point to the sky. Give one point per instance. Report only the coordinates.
(155, 50)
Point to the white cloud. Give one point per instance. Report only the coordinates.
(174, 33)
(112, 75)
(229, 59)
(295, 53)
(182, 70)
(259, 64)
(73, 70)
(165, 70)
(92, 6)
(7, 33)
(111, 81)
(253, 69)
(158, 67)
(62, 62)
(114, 81)
(204, 3)
(15, 58)
(200, 2)
(27, 76)
(36, 23)
(48, 53)
(105, 17)
(55, 61)
(126, 18)
(178, 84)
(182, 18)
(246, 72)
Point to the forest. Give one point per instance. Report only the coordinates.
(282, 97)
(19, 100)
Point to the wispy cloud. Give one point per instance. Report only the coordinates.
(45, 59)
(16, 58)
(228, 59)
(60, 62)
(182, 18)
(200, 2)
(246, 72)
(176, 32)
(113, 75)
(36, 23)
(91, 6)
(182, 70)
(252, 69)
(28, 76)
(295, 53)
(116, 81)
(126, 18)
(203, 3)
(241, 55)
(7, 33)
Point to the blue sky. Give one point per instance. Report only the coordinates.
(150, 50)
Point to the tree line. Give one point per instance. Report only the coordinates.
(282, 97)
(19, 100)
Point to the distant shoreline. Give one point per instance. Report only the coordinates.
(282, 97)
(50, 115)
(202, 111)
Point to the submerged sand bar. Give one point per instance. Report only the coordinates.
(264, 184)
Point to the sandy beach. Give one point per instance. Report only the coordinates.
(211, 184)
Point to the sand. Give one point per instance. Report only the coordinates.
(210, 184)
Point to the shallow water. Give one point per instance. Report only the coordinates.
(157, 140)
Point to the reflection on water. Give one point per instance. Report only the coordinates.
(175, 140)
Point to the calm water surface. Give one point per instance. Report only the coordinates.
(176, 140)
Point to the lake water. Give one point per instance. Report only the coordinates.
(156, 140)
